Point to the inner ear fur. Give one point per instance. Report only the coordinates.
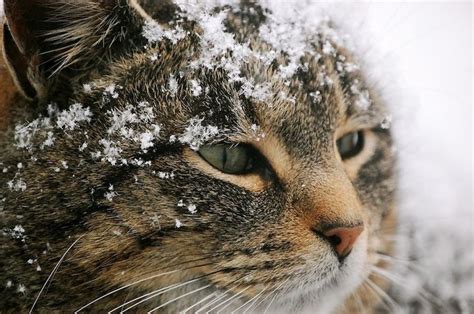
(48, 43)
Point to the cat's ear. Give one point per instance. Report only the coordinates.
(48, 42)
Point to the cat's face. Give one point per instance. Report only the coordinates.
(225, 161)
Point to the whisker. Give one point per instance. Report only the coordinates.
(262, 300)
(124, 287)
(53, 272)
(428, 297)
(392, 259)
(253, 300)
(233, 299)
(228, 290)
(360, 304)
(383, 294)
(374, 292)
(198, 302)
(177, 298)
(221, 296)
(135, 283)
(165, 289)
(275, 295)
(213, 301)
(158, 292)
(407, 264)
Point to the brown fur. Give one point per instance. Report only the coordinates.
(252, 231)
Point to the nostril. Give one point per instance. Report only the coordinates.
(334, 240)
(342, 239)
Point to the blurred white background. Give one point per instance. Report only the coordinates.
(428, 45)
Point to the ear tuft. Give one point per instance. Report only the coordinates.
(48, 39)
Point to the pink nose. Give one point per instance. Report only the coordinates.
(343, 239)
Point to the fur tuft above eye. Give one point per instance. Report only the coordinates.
(350, 144)
(228, 158)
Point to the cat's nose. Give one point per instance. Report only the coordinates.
(343, 238)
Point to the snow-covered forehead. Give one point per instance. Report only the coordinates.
(274, 68)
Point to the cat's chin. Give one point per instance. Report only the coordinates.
(326, 295)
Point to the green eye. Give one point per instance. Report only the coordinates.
(227, 158)
(350, 144)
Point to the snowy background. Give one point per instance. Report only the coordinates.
(421, 56)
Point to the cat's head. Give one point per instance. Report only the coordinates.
(225, 148)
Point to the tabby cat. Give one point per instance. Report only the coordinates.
(165, 157)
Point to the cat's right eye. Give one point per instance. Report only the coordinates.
(231, 159)
(350, 144)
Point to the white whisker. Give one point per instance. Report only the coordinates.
(53, 272)
(165, 289)
(198, 302)
(382, 294)
(158, 292)
(360, 304)
(177, 298)
(227, 291)
(253, 300)
(262, 300)
(233, 299)
(124, 287)
(275, 295)
(425, 295)
(219, 297)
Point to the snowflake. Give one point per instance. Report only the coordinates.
(49, 141)
(110, 194)
(68, 119)
(259, 92)
(17, 185)
(111, 90)
(111, 151)
(146, 141)
(363, 98)
(196, 89)
(316, 96)
(17, 233)
(87, 88)
(24, 133)
(172, 85)
(21, 288)
(386, 122)
(196, 134)
(165, 175)
(82, 147)
(153, 32)
(192, 208)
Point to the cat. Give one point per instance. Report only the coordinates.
(173, 157)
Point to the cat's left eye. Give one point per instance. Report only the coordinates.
(232, 159)
(350, 144)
